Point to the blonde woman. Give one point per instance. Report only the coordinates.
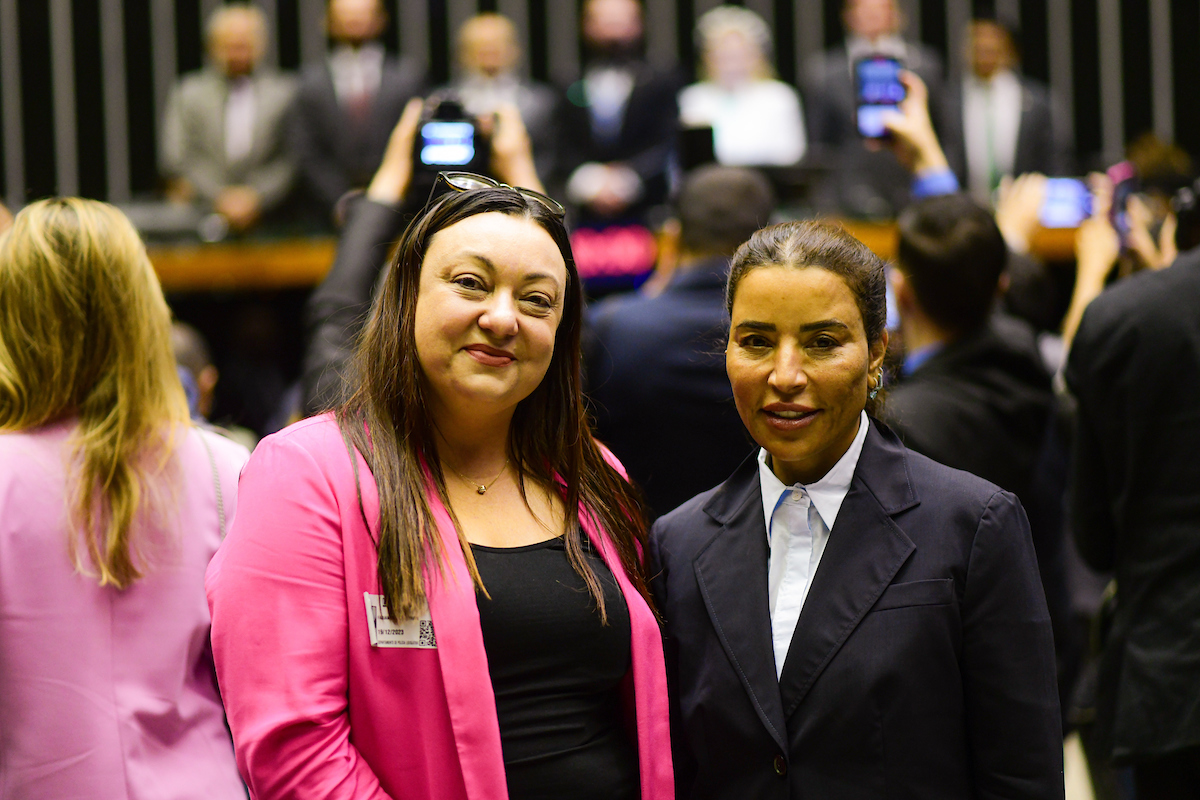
(756, 120)
(111, 505)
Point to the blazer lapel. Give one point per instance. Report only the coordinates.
(865, 551)
(732, 574)
(465, 677)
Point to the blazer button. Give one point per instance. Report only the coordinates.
(780, 764)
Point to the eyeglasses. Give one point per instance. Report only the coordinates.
(469, 181)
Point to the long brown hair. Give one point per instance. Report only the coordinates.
(387, 420)
(84, 331)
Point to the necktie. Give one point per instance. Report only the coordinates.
(791, 558)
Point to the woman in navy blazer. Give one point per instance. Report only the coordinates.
(917, 660)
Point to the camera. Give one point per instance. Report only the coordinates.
(449, 139)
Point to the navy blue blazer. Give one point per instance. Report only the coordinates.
(656, 379)
(922, 664)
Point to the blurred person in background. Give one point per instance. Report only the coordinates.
(348, 103)
(1000, 122)
(196, 369)
(756, 120)
(655, 374)
(223, 143)
(618, 122)
(488, 57)
(111, 505)
(199, 376)
(1133, 371)
(866, 178)
(973, 391)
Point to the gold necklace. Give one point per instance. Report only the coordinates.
(480, 488)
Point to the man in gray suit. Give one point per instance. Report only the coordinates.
(349, 102)
(223, 143)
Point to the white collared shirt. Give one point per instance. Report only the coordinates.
(481, 95)
(608, 90)
(239, 119)
(991, 122)
(356, 72)
(796, 546)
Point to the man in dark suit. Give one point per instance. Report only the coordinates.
(1134, 368)
(865, 181)
(655, 369)
(1000, 122)
(618, 122)
(347, 105)
(973, 392)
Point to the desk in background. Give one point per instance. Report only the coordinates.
(242, 266)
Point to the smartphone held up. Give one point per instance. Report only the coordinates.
(879, 90)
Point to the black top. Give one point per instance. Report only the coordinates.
(556, 673)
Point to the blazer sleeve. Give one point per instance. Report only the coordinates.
(172, 141)
(1009, 684)
(1092, 520)
(182, 154)
(279, 632)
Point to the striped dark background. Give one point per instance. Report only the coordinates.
(82, 81)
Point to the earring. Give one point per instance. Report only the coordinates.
(878, 383)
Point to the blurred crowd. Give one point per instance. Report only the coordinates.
(252, 144)
(1072, 385)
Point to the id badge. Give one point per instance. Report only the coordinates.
(414, 633)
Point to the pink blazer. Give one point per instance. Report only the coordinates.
(109, 693)
(316, 710)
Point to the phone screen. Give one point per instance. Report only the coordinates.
(1067, 203)
(879, 91)
(447, 143)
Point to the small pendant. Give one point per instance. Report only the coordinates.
(482, 490)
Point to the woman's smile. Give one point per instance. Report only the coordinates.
(490, 356)
(788, 416)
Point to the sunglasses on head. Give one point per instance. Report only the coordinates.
(469, 181)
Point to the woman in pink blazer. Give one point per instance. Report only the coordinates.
(437, 591)
(111, 505)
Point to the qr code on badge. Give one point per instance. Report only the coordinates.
(426, 637)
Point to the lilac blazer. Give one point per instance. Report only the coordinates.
(316, 710)
(107, 693)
